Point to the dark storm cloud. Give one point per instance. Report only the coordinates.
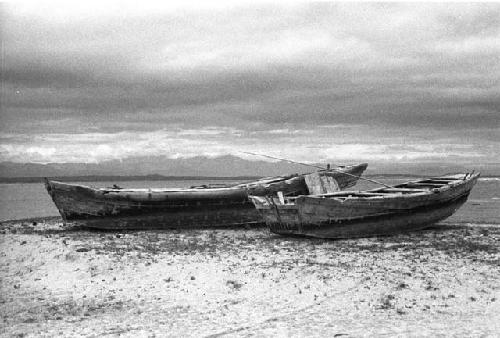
(429, 68)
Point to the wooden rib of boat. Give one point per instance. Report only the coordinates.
(348, 214)
(202, 206)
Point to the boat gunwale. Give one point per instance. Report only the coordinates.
(231, 188)
(417, 192)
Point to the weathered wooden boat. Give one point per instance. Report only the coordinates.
(348, 214)
(116, 208)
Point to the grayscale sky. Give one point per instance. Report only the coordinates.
(308, 81)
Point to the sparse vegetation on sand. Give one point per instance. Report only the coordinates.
(70, 281)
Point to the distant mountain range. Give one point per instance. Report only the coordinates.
(224, 166)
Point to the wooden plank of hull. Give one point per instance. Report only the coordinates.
(179, 219)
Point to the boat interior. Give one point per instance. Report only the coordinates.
(420, 186)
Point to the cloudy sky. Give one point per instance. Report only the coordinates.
(307, 81)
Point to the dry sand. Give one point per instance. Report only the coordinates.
(58, 281)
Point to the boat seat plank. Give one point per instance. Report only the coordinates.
(400, 189)
(435, 182)
(426, 185)
(448, 179)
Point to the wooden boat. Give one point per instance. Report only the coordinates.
(346, 214)
(116, 208)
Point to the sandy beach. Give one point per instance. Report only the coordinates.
(60, 281)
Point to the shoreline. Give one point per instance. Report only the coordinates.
(104, 178)
(58, 219)
(225, 282)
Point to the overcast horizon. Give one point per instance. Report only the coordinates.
(307, 81)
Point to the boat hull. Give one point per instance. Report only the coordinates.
(195, 218)
(388, 224)
(82, 206)
(175, 208)
(366, 216)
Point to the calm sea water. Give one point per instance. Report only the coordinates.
(29, 200)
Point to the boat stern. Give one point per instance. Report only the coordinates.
(348, 176)
(280, 215)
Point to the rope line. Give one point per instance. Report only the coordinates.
(310, 165)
